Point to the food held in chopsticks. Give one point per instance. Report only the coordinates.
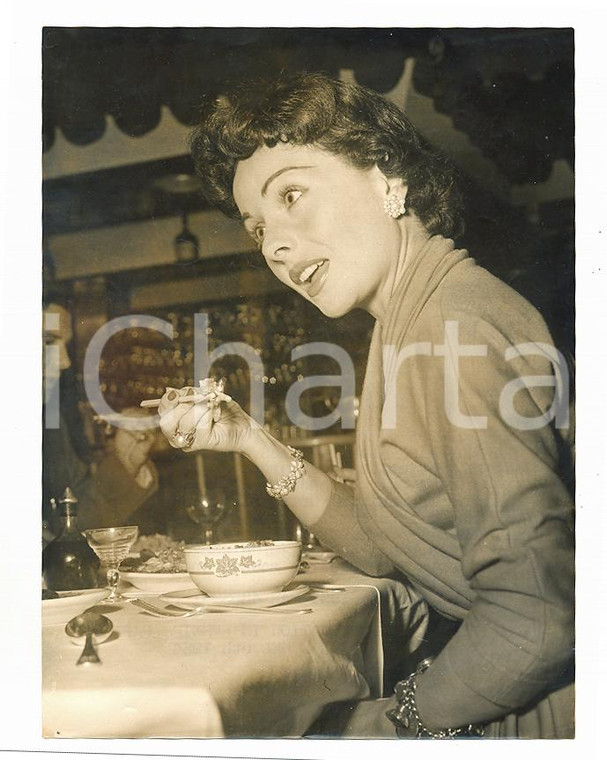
(209, 391)
(212, 392)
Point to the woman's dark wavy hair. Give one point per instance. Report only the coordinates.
(347, 120)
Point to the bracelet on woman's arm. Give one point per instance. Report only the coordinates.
(406, 718)
(287, 484)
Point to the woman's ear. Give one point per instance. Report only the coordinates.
(392, 185)
(396, 186)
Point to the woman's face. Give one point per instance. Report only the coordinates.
(321, 226)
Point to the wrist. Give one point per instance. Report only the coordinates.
(310, 494)
(407, 720)
(288, 482)
(256, 444)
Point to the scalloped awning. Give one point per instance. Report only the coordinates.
(509, 90)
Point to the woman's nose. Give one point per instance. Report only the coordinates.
(278, 254)
(277, 244)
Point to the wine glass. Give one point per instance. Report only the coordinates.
(207, 510)
(112, 546)
(308, 540)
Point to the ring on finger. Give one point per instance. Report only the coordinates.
(184, 440)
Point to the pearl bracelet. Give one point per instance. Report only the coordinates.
(287, 484)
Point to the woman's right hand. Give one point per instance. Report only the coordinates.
(229, 433)
(234, 430)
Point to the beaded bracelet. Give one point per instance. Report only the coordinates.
(406, 718)
(287, 484)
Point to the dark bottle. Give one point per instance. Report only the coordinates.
(68, 562)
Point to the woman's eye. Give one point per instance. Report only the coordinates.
(291, 196)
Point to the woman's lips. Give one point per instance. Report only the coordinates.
(310, 275)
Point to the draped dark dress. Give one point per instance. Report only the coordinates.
(463, 497)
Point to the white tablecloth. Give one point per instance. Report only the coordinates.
(223, 674)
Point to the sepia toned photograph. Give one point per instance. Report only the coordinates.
(308, 424)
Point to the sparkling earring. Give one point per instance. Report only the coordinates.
(394, 206)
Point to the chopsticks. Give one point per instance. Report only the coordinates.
(213, 395)
(193, 399)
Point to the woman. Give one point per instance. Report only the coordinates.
(458, 484)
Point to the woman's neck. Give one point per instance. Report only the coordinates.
(414, 237)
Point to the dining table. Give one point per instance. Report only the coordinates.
(231, 674)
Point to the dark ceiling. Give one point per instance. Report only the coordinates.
(115, 196)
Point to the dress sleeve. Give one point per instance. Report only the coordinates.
(339, 529)
(514, 522)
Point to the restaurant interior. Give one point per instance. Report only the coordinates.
(127, 232)
(128, 236)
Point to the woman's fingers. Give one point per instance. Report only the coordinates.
(169, 400)
(196, 416)
(171, 412)
(183, 417)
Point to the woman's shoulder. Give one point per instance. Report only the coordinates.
(471, 294)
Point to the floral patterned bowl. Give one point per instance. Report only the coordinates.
(241, 568)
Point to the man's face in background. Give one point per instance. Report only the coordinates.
(57, 332)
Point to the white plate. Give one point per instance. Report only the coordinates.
(159, 583)
(69, 604)
(188, 598)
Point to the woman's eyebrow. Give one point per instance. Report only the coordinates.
(276, 174)
(270, 179)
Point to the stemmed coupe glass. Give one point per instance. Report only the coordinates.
(207, 510)
(112, 546)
